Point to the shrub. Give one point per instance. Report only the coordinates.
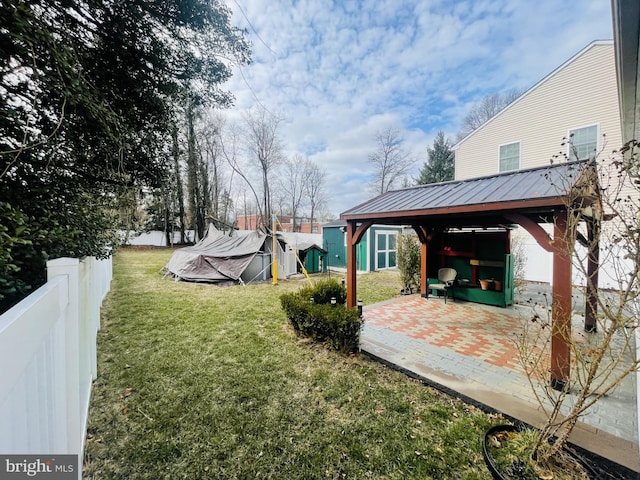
(336, 326)
(18, 259)
(408, 261)
(323, 291)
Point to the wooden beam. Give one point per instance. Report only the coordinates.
(561, 304)
(424, 274)
(536, 231)
(360, 230)
(422, 233)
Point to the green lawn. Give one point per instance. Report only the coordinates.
(197, 382)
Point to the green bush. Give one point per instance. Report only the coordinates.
(323, 291)
(17, 257)
(408, 261)
(335, 326)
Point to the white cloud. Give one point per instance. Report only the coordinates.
(340, 70)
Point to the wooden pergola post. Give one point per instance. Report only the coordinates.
(424, 274)
(593, 264)
(562, 252)
(561, 304)
(425, 237)
(354, 235)
(351, 265)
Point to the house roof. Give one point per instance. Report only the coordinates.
(483, 201)
(537, 85)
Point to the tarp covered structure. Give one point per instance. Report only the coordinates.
(301, 242)
(216, 258)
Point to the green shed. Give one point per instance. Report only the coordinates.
(376, 251)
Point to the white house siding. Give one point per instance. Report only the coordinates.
(581, 92)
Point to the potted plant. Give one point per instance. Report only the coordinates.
(486, 284)
(602, 356)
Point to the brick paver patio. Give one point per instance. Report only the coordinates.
(472, 349)
(481, 332)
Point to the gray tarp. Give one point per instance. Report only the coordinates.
(216, 257)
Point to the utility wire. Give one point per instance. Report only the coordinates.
(253, 28)
(244, 79)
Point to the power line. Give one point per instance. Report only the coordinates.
(253, 28)
(244, 79)
(253, 93)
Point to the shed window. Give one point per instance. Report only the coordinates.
(510, 157)
(385, 250)
(584, 143)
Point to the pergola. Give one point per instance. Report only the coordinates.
(562, 195)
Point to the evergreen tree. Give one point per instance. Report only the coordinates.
(439, 166)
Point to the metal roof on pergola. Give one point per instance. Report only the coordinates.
(528, 198)
(535, 193)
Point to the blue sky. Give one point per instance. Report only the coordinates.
(338, 71)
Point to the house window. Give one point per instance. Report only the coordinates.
(584, 143)
(510, 156)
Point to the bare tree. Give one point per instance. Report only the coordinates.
(230, 151)
(486, 109)
(264, 147)
(605, 353)
(179, 200)
(280, 201)
(315, 190)
(390, 160)
(293, 184)
(196, 178)
(211, 141)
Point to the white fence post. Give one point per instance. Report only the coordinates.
(32, 380)
(70, 267)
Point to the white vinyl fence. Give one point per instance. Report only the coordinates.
(48, 360)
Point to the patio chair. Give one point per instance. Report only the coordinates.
(447, 278)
